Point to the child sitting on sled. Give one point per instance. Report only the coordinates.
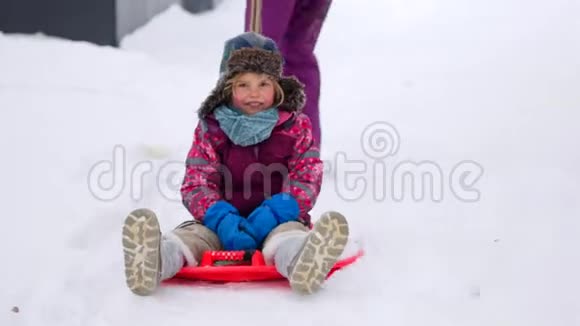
(252, 175)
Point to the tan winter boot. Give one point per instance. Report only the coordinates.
(141, 247)
(320, 251)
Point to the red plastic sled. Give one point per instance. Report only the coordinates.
(242, 266)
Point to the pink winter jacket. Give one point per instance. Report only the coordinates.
(288, 161)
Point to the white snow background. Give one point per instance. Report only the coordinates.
(494, 83)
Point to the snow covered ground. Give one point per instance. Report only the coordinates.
(483, 96)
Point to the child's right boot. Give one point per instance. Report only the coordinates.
(149, 257)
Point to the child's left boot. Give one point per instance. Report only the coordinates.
(307, 260)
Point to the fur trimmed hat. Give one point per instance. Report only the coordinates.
(252, 52)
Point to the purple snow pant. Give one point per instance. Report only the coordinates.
(294, 25)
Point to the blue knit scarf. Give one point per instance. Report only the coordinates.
(246, 130)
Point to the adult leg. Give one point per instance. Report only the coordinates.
(298, 50)
(269, 17)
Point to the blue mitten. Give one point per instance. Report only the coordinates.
(284, 207)
(281, 208)
(232, 229)
(262, 221)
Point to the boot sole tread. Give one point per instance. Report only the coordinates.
(141, 241)
(322, 248)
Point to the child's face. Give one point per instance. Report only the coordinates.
(252, 93)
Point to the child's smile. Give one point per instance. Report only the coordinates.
(253, 93)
